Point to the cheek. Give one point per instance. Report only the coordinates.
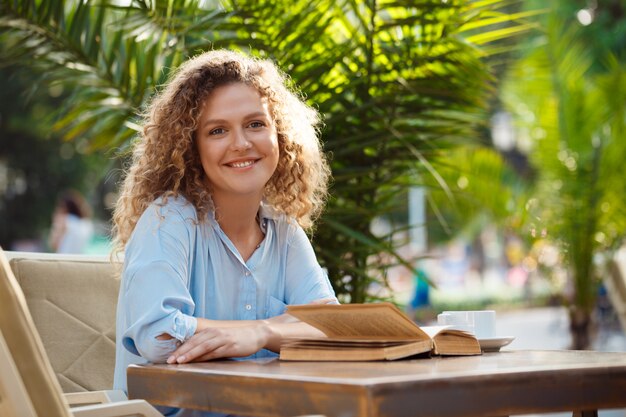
(276, 153)
(276, 146)
(206, 157)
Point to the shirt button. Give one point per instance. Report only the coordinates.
(248, 307)
(247, 273)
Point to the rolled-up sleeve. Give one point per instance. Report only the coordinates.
(155, 284)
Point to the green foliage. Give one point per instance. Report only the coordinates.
(399, 83)
(35, 164)
(575, 116)
(480, 186)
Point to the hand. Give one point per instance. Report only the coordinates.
(225, 342)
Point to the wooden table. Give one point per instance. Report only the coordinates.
(494, 384)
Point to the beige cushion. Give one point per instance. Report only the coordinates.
(73, 302)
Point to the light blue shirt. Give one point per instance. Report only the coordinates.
(177, 268)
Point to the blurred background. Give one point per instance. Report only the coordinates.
(477, 147)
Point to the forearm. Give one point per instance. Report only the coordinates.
(218, 324)
(204, 324)
(56, 233)
(237, 339)
(272, 330)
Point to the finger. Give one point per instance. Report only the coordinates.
(183, 350)
(185, 347)
(204, 348)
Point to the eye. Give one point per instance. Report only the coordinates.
(256, 124)
(217, 131)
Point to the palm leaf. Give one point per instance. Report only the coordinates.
(400, 85)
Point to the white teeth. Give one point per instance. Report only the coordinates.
(242, 164)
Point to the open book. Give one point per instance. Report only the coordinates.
(365, 332)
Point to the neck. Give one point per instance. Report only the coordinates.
(237, 217)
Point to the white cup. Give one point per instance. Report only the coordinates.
(481, 323)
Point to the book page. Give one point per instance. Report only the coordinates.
(345, 342)
(450, 341)
(433, 331)
(354, 353)
(376, 320)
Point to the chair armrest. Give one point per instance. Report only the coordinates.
(116, 409)
(75, 399)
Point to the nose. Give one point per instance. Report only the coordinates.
(239, 141)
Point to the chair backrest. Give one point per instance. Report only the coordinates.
(24, 361)
(72, 299)
(615, 283)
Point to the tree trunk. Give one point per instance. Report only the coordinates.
(580, 328)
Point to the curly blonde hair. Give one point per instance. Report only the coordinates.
(166, 162)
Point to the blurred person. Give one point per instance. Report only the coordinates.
(72, 227)
(227, 174)
(419, 307)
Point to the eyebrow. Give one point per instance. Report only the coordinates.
(222, 121)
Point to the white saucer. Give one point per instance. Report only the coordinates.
(493, 344)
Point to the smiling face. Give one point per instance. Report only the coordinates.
(237, 142)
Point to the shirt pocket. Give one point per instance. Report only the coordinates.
(275, 307)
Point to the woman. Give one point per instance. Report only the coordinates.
(72, 227)
(226, 175)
